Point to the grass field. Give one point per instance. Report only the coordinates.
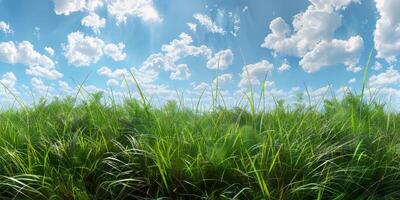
(349, 149)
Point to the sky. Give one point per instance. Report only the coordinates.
(187, 48)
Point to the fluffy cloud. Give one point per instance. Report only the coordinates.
(121, 75)
(40, 87)
(173, 52)
(181, 73)
(94, 22)
(387, 31)
(49, 51)
(353, 80)
(66, 7)
(84, 50)
(207, 22)
(334, 52)
(317, 93)
(312, 31)
(144, 9)
(253, 73)
(390, 76)
(377, 66)
(284, 67)
(221, 60)
(8, 81)
(192, 26)
(223, 79)
(115, 51)
(5, 27)
(24, 53)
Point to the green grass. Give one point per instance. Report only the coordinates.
(349, 149)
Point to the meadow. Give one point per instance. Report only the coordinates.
(346, 148)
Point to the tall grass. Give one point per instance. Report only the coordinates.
(96, 149)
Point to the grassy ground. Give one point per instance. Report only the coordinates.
(62, 150)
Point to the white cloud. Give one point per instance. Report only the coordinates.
(24, 53)
(171, 53)
(94, 22)
(284, 67)
(192, 26)
(390, 76)
(353, 80)
(144, 9)
(387, 31)
(377, 66)
(207, 22)
(318, 93)
(332, 4)
(182, 47)
(115, 51)
(40, 87)
(92, 5)
(269, 84)
(123, 75)
(83, 50)
(223, 79)
(8, 81)
(112, 82)
(66, 7)
(49, 51)
(312, 29)
(64, 87)
(253, 73)
(182, 73)
(221, 60)
(334, 52)
(5, 27)
(200, 87)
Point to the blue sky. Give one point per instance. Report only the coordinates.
(47, 47)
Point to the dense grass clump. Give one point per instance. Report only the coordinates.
(349, 149)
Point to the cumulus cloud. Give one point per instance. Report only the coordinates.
(8, 82)
(284, 67)
(115, 51)
(144, 9)
(223, 79)
(49, 50)
(317, 93)
(94, 22)
(221, 60)
(312, 30)
(173, 52)
(40, 87)
(192, 26)
(390, 76)
(208, 23)
(5, 27)
(121, 75)
(84, 50)
(66, 7)
(387, 31)
(334, 52)
(24, 53)
(377, 66)
(353, 80)
(181, 73)
(254, 73)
